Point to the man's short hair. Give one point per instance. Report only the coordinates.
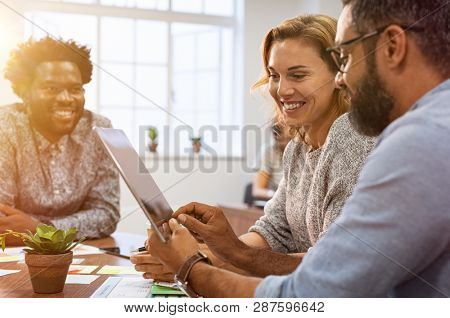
(430, 15)
(21, 66)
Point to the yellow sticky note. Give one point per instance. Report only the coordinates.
(13, 258)
(118, 270)
(82, 269)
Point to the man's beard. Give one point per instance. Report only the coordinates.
(371, 104)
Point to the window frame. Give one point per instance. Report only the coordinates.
(98, 11)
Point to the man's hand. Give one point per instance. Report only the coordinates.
(152, 267)
(212, 226)
(177, 250)
(17, 221)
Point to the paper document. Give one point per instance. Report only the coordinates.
(82, 249)
(77, 261)
(13, 258)
(81, 279)
(124, 287)
(13, 250)
(118, 270)
(12, 254)
(135, 287)
(4, 272)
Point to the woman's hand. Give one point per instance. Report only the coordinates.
(152, 267)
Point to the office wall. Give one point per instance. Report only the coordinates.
(328, 7)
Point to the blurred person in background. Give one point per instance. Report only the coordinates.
(270, 169)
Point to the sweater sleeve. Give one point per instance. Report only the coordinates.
(273, 225)
(344, 155)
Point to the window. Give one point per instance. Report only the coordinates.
(154, 69)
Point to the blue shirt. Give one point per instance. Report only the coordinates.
(392, 238)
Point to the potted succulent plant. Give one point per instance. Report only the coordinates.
(196, 143)
(48, 257)
(153, 135)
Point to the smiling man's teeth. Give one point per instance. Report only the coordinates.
(63, 113)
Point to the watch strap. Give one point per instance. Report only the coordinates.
(185, 269)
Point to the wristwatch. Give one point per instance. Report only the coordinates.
(181, 278)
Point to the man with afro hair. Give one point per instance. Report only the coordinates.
(53, 169)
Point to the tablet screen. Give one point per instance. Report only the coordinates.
(136, 176)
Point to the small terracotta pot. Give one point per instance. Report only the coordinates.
(153, 146)
(48, 272)
(197, 146)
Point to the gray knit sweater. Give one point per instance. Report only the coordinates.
(314, 188)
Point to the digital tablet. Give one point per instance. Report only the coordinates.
(137, 178)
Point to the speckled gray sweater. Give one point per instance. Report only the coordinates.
(314, 188)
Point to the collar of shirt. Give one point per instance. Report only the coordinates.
(76, 135)
(445, 85)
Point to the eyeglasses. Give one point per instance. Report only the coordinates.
(341, 60)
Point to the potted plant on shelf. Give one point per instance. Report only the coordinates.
(196, 143)
(153, 135)
(48, 257)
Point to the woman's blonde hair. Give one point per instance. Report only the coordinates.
(317, 30)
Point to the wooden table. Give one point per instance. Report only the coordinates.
(240, 216)
(18, 285)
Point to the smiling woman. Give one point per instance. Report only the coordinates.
(321, 164)
(323, 161)
(296, 62)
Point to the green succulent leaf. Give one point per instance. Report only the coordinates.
(70, 235)
(3, 242)
(45, 231)
(73, 246)
(37, 239)
(32, 245)
(58, 236)
(46, 240)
